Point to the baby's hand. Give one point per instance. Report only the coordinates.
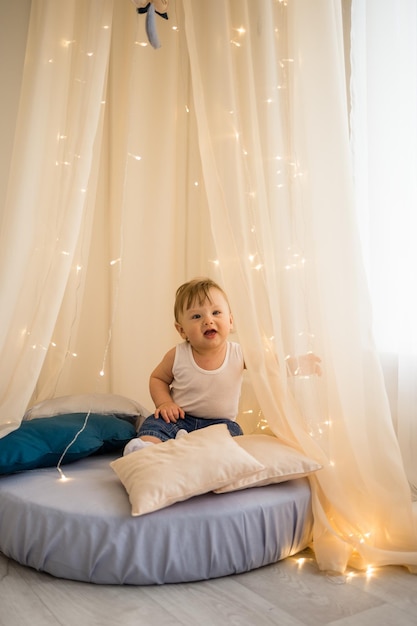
(304, 365)
(170, 412)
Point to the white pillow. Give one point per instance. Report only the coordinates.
(281, 463)
(178, 469)
(100, 403)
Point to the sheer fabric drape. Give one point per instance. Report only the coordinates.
(384, 140)
(285, 231)
(51, 191)
(225, 152)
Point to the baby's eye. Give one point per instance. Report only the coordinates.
(196, 316)
(217, 312)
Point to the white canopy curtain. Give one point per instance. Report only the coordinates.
(225, 152)
(384, 141)
(287, 231)
(51, 191)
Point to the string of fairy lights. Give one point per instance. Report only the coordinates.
(296, 259)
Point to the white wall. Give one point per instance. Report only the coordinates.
(14, 20)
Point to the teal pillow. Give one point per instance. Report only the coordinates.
(40, 442)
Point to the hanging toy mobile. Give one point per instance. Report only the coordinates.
(150, 8)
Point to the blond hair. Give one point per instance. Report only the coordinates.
(194, 290)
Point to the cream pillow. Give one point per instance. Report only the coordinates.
(100, 403)
(201, 461)
(281, 463)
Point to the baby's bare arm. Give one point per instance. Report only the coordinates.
(159, 387)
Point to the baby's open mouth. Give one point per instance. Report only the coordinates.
(210, 333)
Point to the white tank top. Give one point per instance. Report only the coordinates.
(212, 394)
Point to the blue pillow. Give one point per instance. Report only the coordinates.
(40, 442)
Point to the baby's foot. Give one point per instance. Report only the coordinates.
(136, 444)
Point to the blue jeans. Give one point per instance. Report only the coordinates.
(157, 427)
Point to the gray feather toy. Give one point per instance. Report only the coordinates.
(155, 7)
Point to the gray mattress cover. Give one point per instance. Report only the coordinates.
(82, 529)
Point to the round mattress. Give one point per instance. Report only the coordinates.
(82, 528)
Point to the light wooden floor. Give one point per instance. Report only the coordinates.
(290, 593)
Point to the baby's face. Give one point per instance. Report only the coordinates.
(206, 324)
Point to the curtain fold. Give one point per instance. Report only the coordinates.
(225, 152)
(51, 179)
(275, 152)
(384, 146)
